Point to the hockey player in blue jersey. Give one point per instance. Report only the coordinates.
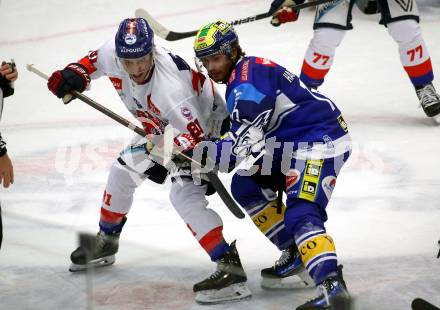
(302, 142)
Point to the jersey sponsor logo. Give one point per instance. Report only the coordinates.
(309, 186)
(117, 82)
(406, 5)
(264, 62)
(328, 185)
(270, 216)
(151, 124)
(149, 119)
(185, 140)
(130, 39)
(186, 112)
(313, 168)
(131, 50)
(315, 246)
(292, 177)
(342, 123)
(245, 70)
(151, 106)
(289, 76)
(93, 56)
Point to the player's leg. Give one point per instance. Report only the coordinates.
(126, 174)
(258, 197)
(332, 20)
(304, 219)
(228, 282)
(402, 21)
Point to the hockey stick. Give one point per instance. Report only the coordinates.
(169, 35)
(421, 304)
(213, 178)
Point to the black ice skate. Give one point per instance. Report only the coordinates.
(333, 295)
(226, 284)
(102, 253)
(429, 100)
(288, 265)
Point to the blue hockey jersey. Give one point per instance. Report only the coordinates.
(272, 109)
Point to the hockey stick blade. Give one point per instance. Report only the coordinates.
(421, 304)
(213, 178)
(224, 195)
(169, 35)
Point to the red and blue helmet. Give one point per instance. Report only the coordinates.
(134, 38)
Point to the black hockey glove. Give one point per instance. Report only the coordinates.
(63, 82)
(6, 71)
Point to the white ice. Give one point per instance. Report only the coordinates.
(384, 214)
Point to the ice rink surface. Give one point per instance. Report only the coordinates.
(385, 211)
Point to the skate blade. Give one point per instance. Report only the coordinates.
(296, 281)
(99, 262)
(232, 293)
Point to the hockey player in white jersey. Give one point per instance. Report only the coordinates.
(158, 88)
(333, 19)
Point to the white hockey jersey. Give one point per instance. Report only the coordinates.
(174, 94)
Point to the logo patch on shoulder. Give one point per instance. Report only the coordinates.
(186, 112)
(117, 82)
(93, 56)
(342, 123)
(264, 62)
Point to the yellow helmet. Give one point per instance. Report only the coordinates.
(215, 38)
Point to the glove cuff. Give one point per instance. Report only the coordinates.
(81, 71)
